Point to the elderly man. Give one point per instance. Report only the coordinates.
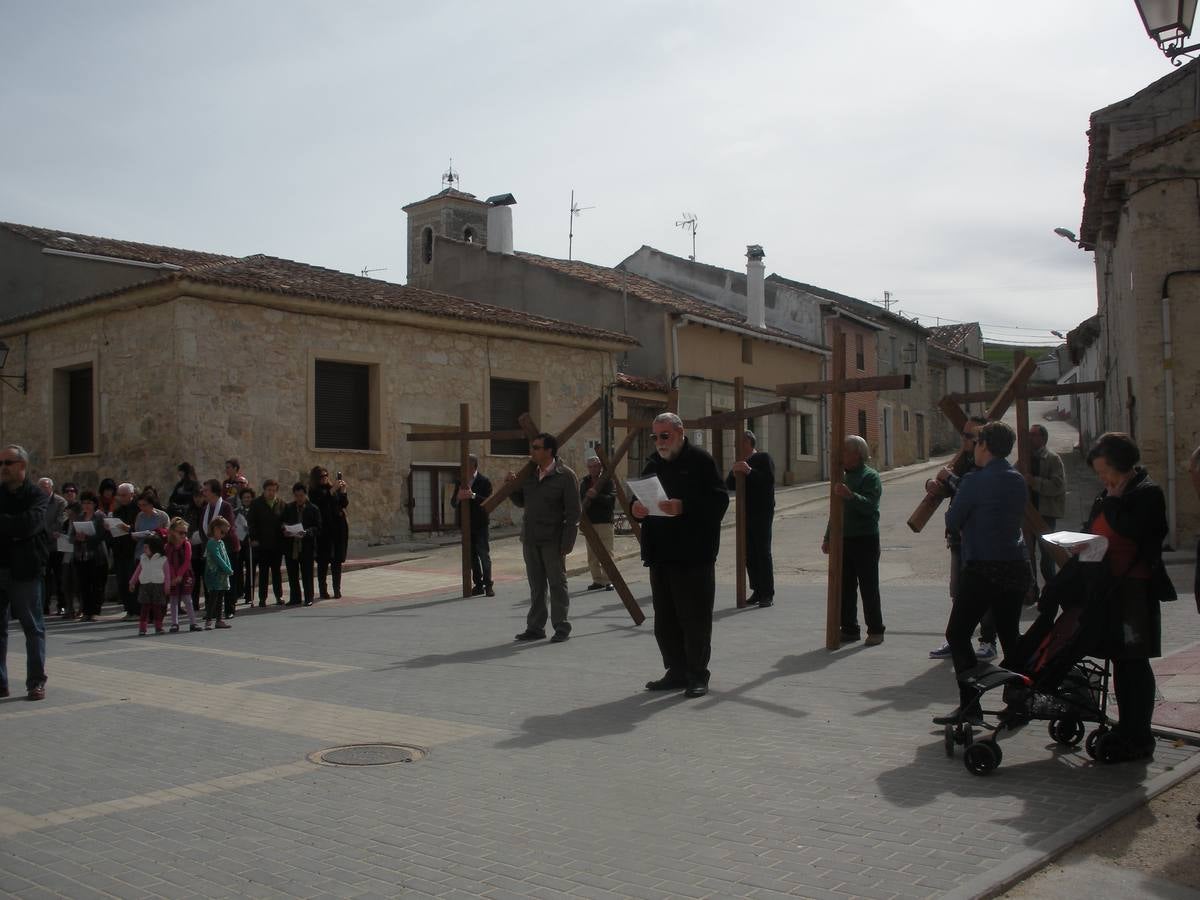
(759, 469)
(680, 543)
(56, 515)
(987, 509)
(1047, 482)
(22, 560)
(477, 489)
(550, 498)
(860, 492)
(598, 502)
(124, 549)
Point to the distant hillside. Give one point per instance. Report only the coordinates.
(1000, 362)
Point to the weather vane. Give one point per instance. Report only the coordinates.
(450, 178)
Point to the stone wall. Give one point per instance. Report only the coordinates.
(203, 380)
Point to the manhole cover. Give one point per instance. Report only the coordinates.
(368, 755)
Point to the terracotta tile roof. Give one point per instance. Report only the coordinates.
(638, 383)
(102, 246)
(284, 276)
(953, 337)
(652, 292)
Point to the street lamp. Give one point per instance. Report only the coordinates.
(1169, 23)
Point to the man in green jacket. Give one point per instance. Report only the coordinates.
(860, 492)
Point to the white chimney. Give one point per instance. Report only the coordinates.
(756, 287)
(499, 223)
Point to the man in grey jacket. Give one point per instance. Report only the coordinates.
(550, 498)
(1048, 486)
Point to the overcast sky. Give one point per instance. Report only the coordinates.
(922, 147)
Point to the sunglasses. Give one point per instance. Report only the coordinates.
(662, 435)
(8, 462)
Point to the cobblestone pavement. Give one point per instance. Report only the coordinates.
(175, 766)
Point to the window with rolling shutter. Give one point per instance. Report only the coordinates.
(342, 405)
(509, 400)
(79, 411)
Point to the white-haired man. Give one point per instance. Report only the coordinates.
(680, 546)
(860, 492)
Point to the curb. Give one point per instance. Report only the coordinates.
(1012, 872)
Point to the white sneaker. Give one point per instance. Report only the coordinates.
(942, 652)
(985, 651)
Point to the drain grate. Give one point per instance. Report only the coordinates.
(368, 755)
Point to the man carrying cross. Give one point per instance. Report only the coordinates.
(477, 489)
(759, 469)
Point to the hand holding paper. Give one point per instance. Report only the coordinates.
(651, 493)
(294, 531)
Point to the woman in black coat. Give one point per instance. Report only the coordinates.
(188, 485)
(334, 535)
(1131, 512)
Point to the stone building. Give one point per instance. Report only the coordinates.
(1140, 219)
(280, 364)
(956, 365)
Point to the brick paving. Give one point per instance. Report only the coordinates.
(176, 766)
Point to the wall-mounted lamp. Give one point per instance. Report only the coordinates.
(16, 382)
(1169, 23)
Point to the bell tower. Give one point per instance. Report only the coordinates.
(450, 213)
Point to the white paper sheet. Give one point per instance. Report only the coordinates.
(1090, 547)
(115, 526)
(650, 492)
(295, 531)
(65, 544)
(82, 527)
(194, 539)
(138, 535)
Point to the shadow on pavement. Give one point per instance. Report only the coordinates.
(914, 694)
(589, 722)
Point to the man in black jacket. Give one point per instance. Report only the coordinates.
(22, 561)
(759, 470)
(599, 502)
(299, 550)
(680, 542)
(478, 489)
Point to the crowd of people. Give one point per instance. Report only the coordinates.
(219, 539)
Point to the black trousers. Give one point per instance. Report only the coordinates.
(300, 574)
(324, 568)
(124, 566)
(860, 573)
(269, 563)
(53, 588)
(998, 586)
(481, 559)
(1133, 683)
(683, 615)
(760, 568)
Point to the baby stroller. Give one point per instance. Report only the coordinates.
(1048, 677)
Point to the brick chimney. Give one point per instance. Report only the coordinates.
(756, 287)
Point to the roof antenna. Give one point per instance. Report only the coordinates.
(689, 223)
(366, 273)
(576, 209)
(450, 178)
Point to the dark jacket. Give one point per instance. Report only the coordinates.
(988, 509)
(694, 536)
(23, 550)
(760, 485)
(551, 508)
(56, 517)
(181, 497)
(1135, 617)
(599, 508)
(481, 487)
(265, 521)
(310, 519)
(123, 546)
(334, 528)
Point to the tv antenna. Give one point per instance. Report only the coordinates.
(689, 223)
(450, 178)
(576, 209)
(888, 301)
(366, 273)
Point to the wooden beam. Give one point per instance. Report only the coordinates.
(739, 483)
(952, 411)
(837, 437)
(632, 424)
(610, 569)
(511, 435)
(464, 481)
(1036, 391)
(846, 385)
(736, 419)
(621, 495)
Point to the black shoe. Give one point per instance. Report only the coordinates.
(668, 682)
(530, 635)
(595, 586)
(1113, 748)
(848, 636)
(337, 595)
(765, 602)
(695, 689)
(489, 592)
(293, 603)
(609, 587)
(262, 604)
(308, 603)
(752, 600)
(279, 601)
(477, 591)
(560, 636)
(972, 716)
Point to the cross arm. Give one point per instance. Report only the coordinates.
(845, 386)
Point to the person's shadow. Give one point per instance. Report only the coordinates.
(590, 722)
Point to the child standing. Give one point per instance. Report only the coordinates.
(179, 589)
(153, 573)
(217, 569)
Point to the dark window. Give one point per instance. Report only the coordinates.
(860, 354)
(343, 405)
(862, 424)
(509, 400)
(427, 245)
(807, 434)
(469, 234)
(747, 350)
(905, 414)
(79, 411)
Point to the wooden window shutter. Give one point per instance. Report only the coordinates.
(343, 405)
(79, 411)
(509, 400)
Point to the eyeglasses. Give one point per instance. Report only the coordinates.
(8, 462)
(70, 491)
(662, 435)
(537, 447)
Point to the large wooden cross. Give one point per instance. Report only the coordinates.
(838, 387)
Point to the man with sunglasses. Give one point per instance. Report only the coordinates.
(680, 544)
(22, 560)
(947, 479)
(550, 498)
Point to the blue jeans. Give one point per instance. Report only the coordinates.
(22, 600)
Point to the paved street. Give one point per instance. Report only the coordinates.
(178, 766)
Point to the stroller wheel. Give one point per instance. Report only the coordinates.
(949, 740)
(1067, 732)
(1092, 743)
(982, 757)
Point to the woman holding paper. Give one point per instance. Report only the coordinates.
(87, 534)
(1131, 512)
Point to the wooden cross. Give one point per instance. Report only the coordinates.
(838, 387)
